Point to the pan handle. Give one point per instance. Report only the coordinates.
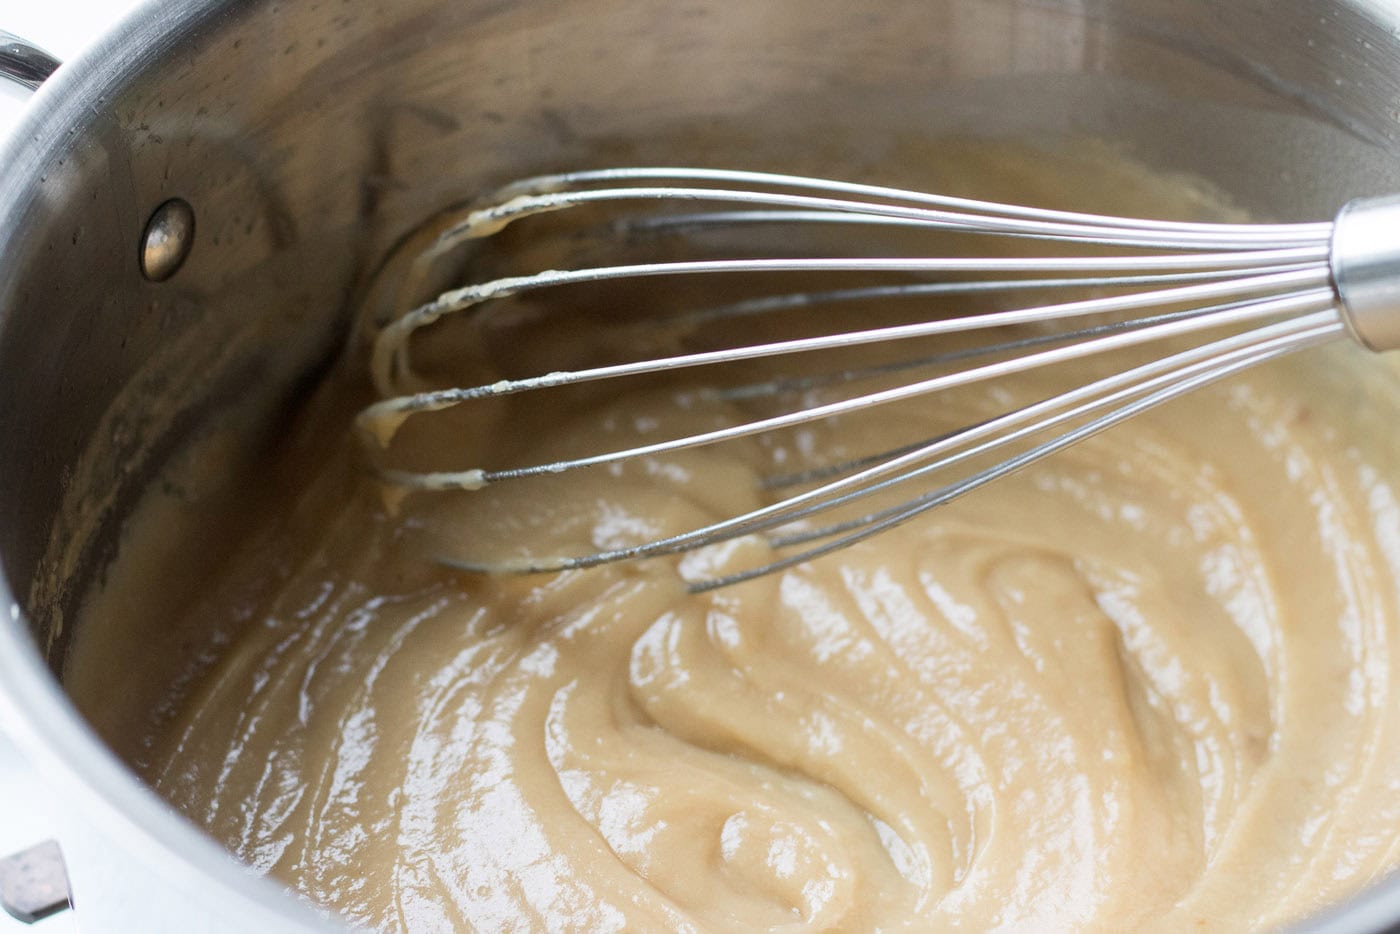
(23, 62)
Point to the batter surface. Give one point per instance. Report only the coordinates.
(1151, 683)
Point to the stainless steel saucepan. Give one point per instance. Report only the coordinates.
(188, 210)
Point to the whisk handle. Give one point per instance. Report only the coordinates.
(1365, 259)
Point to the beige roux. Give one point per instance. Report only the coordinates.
(1152, 683)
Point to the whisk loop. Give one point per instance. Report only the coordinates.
(1290, 286)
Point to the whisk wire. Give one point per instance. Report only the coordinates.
(565, 182)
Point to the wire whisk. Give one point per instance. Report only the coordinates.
(1217, 298)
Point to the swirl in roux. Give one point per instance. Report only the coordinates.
(1149, 683)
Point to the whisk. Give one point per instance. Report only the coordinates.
(1267, 289)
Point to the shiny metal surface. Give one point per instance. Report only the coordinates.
(23, 62)
(168, 239)
(312, 135)
(1366, 268)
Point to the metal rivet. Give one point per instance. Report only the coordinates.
(167, 240)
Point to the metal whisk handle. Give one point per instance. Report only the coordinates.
(1365, 263)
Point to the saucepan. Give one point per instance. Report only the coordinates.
(189, 210)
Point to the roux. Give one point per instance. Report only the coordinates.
(1150, 683)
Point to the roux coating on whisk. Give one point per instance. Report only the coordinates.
(1151, 683)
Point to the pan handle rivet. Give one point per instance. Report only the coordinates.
(167, 241)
